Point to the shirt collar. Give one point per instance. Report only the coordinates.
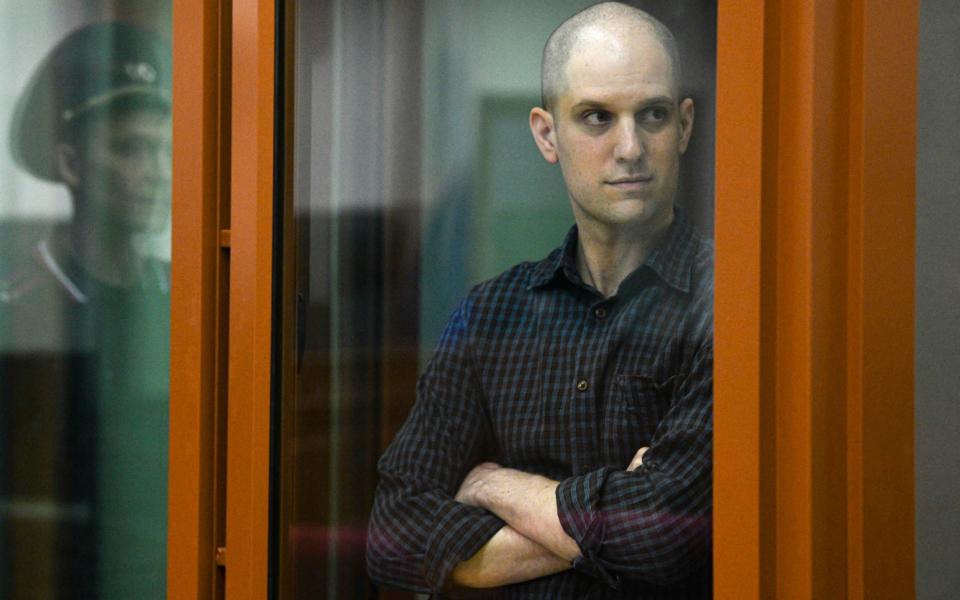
(77, 284)
(561, 260)
(671, 259)
(63, 272)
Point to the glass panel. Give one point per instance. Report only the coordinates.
(938, 303)
(414, 178)
(84, 298)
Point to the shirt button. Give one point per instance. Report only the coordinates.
(582, 385)
(601, 313)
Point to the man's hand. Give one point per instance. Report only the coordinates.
(637, 459)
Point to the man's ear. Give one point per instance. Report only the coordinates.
(67, 168)
(544, 133)
(686, 123)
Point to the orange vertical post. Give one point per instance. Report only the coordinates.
(814, 299)
(251, 277)
(881, 271)
(191, 572)
(743, 456)
(811, 288)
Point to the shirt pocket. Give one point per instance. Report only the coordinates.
(638, 404)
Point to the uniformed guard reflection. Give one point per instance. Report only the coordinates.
(84, 369)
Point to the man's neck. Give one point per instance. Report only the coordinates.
(607, 255)
(108, 255)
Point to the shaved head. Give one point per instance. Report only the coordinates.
(612, 17)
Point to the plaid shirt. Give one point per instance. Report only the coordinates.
(538, 372)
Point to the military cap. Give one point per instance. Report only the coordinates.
(94, 67)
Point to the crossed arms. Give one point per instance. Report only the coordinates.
(440, 518)
(533, 543)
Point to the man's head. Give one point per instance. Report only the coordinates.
(96, 117)
(613, 116)
(118, 166)
(610, 15)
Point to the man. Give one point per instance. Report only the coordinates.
(84, 327)
(560, 446)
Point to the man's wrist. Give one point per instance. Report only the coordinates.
(496, 489)
(474, 487)
(493, 487)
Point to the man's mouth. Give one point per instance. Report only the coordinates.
(630, 183)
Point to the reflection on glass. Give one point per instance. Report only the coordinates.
(84, 319)
(415, 177)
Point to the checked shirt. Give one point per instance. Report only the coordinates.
(538, 372)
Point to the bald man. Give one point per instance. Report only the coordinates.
(560, 446)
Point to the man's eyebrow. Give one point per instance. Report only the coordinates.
(592, 103)
(659, 100)
(586, 104)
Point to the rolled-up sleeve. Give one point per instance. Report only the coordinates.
(653, 524)
(418, 533)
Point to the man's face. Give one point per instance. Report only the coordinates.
(123, 165)
(618, 130)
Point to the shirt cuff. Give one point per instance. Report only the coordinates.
(456, 536)
(577, 509)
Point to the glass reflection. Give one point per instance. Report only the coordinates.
(84, 324)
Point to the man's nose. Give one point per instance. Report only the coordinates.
(630, 144)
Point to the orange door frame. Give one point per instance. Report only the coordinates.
(251, 290)
(814, 298)
(813, 494)
(199, 296)
(221, 298)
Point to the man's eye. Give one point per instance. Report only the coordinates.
(596, 117)
(655, 114)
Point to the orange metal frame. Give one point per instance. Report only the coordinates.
(251, 289)
(221, 300)
(814, 298)
(196, 311)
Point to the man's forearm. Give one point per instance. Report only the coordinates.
(525, 501)
(508, 557)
